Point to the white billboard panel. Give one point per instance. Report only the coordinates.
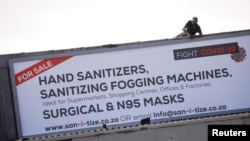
(78, 92)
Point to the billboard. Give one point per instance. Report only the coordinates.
(74, 92)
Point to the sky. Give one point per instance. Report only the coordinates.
(44, 25)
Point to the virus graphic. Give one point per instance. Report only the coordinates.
(239, 56)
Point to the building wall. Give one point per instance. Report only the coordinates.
(190, 130)
(7, 116)
(184, 130)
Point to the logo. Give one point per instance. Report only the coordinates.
(211, 50)
(239, 56)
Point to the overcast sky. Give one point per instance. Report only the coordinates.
(42, 25)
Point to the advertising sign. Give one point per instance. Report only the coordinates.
(168, 82)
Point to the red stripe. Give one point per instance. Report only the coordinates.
(38, 68)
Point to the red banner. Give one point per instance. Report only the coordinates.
(38, 68)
